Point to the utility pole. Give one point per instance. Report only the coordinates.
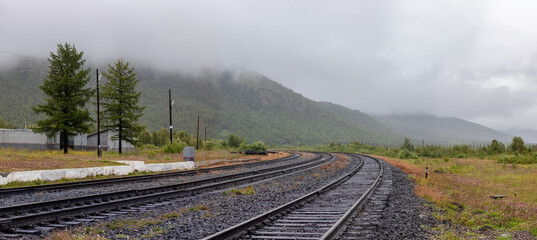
(205, 133)
(198, 134)
(99, 151)
(171, 125)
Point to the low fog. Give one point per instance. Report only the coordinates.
(475, 60)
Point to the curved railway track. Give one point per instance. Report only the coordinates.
(101, 182)
(14, 217)
(321, 214)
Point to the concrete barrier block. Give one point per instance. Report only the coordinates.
(189, 165)
(56, 174)
(137, 166)
(122, 170)
(52, 175)
(25, 176)
(156, 167)
(3, 180)
(160, 167)
(75, 173)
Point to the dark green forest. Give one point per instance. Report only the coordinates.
(227, 101)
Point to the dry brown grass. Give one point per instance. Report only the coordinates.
(341, 162)
(24, 159)
(469, 183)
(245, 159)
(74, 234)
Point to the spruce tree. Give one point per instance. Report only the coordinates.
(67, 95)
(120, 103)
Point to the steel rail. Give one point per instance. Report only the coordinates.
(240, 228)
(339, 226)
(69, 208)
(37, 206)
(115, 180)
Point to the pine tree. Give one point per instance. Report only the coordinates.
(67, 95)
(120, 103)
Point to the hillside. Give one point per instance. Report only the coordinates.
(367, 124)
(441, 130)
(227, 101)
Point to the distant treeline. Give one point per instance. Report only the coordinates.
(517, 152)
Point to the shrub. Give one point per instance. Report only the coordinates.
(405, 154)
(407, 145)
(255, 146)
(144, 137)
(496, 147)
(185, 137)
(161, 137)
(517, 158)
(175, 147)
(235, 141)
(210, 145)
(146, 147)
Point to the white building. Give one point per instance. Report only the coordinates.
(106, 142)
(25, 138)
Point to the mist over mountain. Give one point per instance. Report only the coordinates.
(529, 135)
(227, 101)
(249, 104)
(441, 130)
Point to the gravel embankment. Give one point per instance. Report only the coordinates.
(406, 215)
(41, 196)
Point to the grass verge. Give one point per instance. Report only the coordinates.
(461, 190)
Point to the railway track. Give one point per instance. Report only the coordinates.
(321, 214)
(32, 218)
(364, 225)
(118, 180)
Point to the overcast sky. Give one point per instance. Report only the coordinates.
(475, 60)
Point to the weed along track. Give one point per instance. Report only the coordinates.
(39, 217)
(321, 214)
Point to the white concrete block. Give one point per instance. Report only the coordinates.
(25, 176)
(52, 175)
(160, 167)
(3, 180)
(56, 174)
(137, 166)
(75, 173)
(122, 170)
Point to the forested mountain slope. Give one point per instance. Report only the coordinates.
(227, 101)
(250, 105)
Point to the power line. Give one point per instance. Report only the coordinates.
(18, 55)
(36, 60)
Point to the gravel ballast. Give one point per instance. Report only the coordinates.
(405, 216)
(202, 215)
